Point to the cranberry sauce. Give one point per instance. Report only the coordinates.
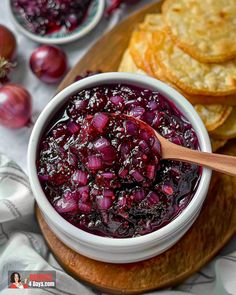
(104, 174)
(48, 16)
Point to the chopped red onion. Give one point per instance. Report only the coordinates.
(139, 195)
(124, 149)
(151, 171)
(43, 177)
(80, 177)
(100, 120)
(157, 121)
(123, 172)
(94, 162)
(72, 159)
(122, 201)
(156, 146)
(103, 202)
(148, 117)
(81, 104)
(101, 143)
(177, 140)
(153, 198)
(137, 176)
(109, 154)
(117, 100)
(167, 189)
(84, 193)
(66, 204)
(130, 127)
(108, 193)
(108, 175)
(84, 207)
(144, 146)
(152, 105)
(137, 111)
(72, 127)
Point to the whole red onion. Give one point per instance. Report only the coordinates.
(15, 106)
(48, 63)
(7, 43)
(7, 53)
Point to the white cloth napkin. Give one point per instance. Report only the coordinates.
(22, 247)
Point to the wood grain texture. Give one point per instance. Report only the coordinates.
(215, 225)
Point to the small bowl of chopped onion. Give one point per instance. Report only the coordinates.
(55, 22)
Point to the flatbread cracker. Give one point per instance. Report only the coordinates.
(192, 76)
(152, 22)
(128, 65)
(228, 129)
(213, 116)
(138, 45)
(206, 30)
(153, 69)
(141, 38)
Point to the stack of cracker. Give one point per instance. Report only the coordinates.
(191, 45)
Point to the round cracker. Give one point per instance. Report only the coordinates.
(214, 115)
(192, 76)
(142, 37)
(153, 69)
(228, 129)
(205, 30)
(217, 143)
(138, 45)
(152, 22)
(128, 65)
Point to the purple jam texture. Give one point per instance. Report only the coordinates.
(104, 173)
(48, 16)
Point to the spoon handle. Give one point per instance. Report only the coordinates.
(217, 162)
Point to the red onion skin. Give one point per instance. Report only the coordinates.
(15, 106)
(7, 43)
(48, 63)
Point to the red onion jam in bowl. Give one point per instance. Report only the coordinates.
(100, 182)
(55, 21)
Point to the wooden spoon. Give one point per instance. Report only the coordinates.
(172, 151)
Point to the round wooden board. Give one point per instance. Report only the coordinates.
(214, 227)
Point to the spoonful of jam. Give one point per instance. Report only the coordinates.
(140, 149)
(117, 143)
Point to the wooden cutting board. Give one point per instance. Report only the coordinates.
(214, 227)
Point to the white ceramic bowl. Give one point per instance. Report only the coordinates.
(127, 249)
(94, 15)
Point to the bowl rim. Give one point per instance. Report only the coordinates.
(113, 78)
(61, 40)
